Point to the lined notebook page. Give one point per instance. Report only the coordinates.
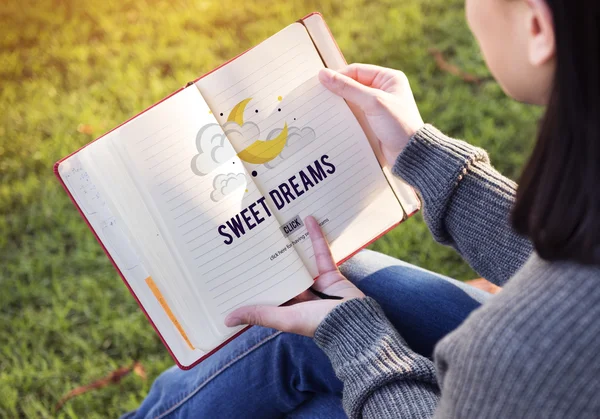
(108, 227)
(138, 223)
(327, 168)
(196, 184)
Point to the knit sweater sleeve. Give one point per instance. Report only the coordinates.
(383, 378)
(466, 202)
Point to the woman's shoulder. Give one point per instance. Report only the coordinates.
(533, 342)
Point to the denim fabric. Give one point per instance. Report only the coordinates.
(268, 374)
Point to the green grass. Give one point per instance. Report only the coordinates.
(65, 316)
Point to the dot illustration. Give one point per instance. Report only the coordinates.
(256, 110)
(279, 109)
(221, 114)
(279, 98)
(254, 173)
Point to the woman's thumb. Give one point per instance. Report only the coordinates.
(266, 316)
(346, 87)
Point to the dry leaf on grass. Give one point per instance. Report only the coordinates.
(85, 129)
(114, 377)
(444, 65)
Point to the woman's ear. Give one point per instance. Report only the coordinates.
(542, 47)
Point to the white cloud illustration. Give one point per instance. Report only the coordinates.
(298, 138)
(214, 144)
(241, 136)
(225, 184)
(213, 149)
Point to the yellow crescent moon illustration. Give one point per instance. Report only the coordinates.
(260, 151)
(237, 113)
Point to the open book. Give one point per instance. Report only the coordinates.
(199, 201)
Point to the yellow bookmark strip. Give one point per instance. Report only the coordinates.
(165, 307)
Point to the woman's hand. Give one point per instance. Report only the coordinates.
(385, 97)
(304, 313)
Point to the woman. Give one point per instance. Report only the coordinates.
(531, 350)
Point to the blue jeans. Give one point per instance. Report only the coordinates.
(269, 374)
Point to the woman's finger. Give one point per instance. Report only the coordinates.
(267, 316)
(346, 87)
(301, 318)
(366, 74)
(323, 256)
(375, 77)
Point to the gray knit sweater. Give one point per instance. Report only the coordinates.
(533, 350)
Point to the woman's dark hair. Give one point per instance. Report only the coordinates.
(558, 199)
